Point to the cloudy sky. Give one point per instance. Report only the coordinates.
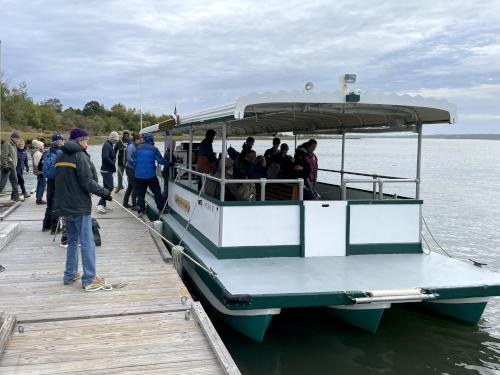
(196, 54)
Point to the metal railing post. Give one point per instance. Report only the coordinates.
(344, 191)
(190, 155)
(262, 189)
(374, 187)
(419, 160)
(343, 158)
(223, 163)
(301, 189)
(380, 188)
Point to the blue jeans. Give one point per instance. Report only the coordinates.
(40, 186)
(80, 228)
(107, 182)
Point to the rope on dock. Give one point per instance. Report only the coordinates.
(180, 249)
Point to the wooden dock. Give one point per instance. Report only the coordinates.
(147, 327)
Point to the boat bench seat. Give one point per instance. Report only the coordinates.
(279, 192)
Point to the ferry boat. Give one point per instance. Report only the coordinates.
(356, 251)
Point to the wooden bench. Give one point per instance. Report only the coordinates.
(279, 192)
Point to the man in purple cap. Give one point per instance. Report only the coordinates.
(48, 165)
(8, 163)
(74, 186)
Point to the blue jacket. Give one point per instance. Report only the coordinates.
(130, 155)
(108, 158)
(145, 157)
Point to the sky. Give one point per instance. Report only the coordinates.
(195, 54)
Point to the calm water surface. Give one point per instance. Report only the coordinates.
(461, 192)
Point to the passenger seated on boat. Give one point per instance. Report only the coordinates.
(212, 188)
(248, 167)
(270, 152)
(281, 164)
(241, 158)
(206, 161)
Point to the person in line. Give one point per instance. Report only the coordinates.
(108, 167)
(48, 168)
(121, 156)
(302, 169)
(206, 161)
(130, 170)
(38, 148)
(146, 157)
(281, 164)
(74, 184)
(22, 163)
(312, 160)
(165, 173)
(270, 152)
(8, 163)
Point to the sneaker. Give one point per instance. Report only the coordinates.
(73, 279)
(126, 205)
(96, 284)
(140, 213)
(101, 209)
(64, 243)
(40, 201)
(27, 195)
(16, 199)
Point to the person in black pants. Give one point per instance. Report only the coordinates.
(130, 170)
(146, 156)
(108, 167)
(51, 219)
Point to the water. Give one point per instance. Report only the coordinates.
(461, 192)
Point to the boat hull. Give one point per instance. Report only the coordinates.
(468, 310)
(366, 318)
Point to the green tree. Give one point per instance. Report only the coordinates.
(53, 103)
(93, 108)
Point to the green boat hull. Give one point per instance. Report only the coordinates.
(367, 319)
(464, 312)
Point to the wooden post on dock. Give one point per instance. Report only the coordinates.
(6, 330)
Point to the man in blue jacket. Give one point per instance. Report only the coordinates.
(108, 167)
(130, 170)
(146, 156)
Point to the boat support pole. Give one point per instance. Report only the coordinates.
(223, 164)
(417, 178)
(190, 155)
(171, 154)
(342, 162)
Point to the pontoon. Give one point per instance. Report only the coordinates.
(355, 251)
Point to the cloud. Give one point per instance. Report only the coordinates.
(194, 54)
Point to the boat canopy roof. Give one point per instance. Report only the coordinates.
(306, 112)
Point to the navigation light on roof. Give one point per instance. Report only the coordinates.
(309, 86)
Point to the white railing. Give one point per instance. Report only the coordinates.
(376, 180)
(261, 181)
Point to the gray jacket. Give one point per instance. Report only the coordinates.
(8, 158)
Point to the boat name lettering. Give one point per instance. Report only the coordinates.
(184, 204)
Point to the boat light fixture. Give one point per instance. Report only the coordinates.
(309, 86)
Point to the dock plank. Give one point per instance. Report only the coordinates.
(141, 328)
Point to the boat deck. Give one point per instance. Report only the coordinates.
(315, 275)
(140, 328)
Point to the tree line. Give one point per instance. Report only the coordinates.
(20, 112)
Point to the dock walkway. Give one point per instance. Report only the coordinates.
(141, 328)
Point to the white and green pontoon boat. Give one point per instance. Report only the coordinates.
(355, 252)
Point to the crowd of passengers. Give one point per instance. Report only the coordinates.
(276, 163)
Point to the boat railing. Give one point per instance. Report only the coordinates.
(261, 181)
(375, 180)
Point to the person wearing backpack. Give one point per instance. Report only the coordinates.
(48, 168)
(8, 163)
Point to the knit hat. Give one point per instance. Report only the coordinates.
(15, 135)
(57, 137)
(114, 136)
(78, 134)
(37, 144)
